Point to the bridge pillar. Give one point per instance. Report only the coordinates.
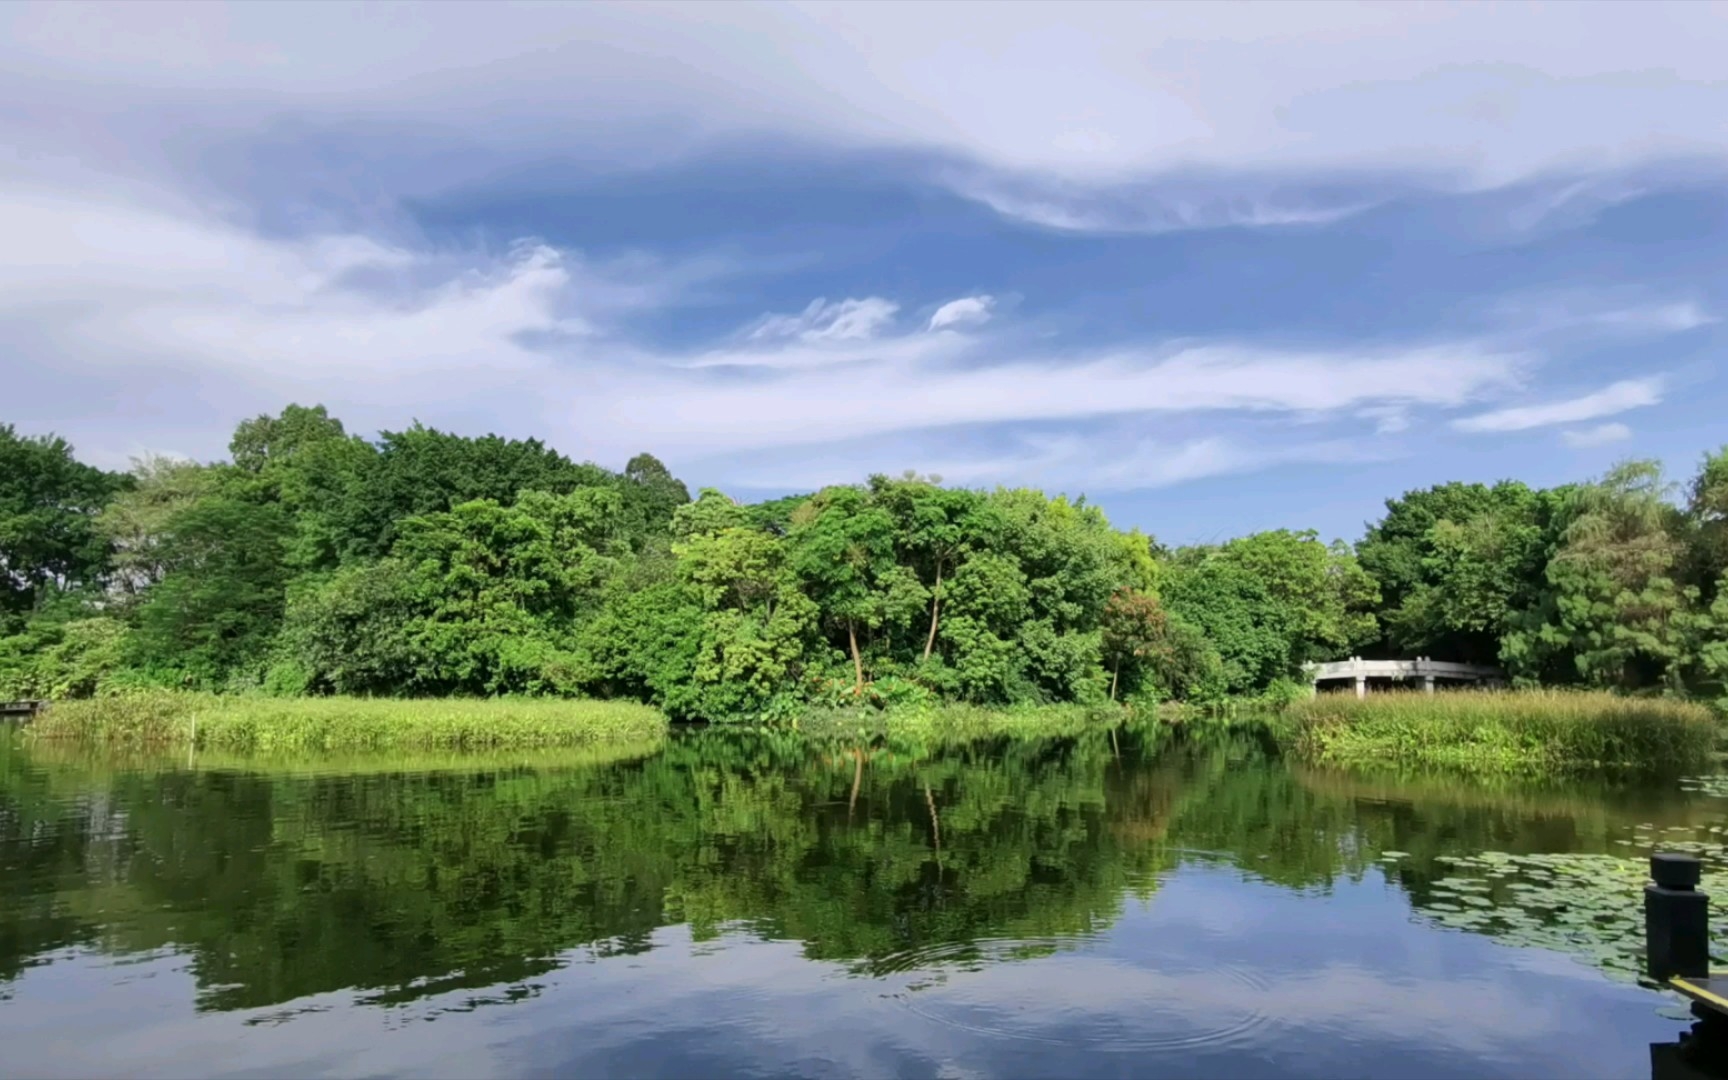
(1361, 686)
(1427, 684)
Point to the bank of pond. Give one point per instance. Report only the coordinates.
(1486, 732)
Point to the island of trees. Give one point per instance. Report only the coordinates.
(423, 563)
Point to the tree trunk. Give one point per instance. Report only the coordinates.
(857, 658)
(1113, 676)
(857, 780)
(935, 823)
(935, 611)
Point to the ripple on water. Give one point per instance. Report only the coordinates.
(1220, 1009)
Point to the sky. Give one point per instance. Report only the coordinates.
(1218, 267)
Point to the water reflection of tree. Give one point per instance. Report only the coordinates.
(878, 853)
(400, 884)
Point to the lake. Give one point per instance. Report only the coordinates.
(734, 903)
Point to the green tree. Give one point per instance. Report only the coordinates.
(1455, 564)
(1612, 605)
(1272, 602)
(933, 527)
(138, 523)
(842, 552)
(48, 538)
(221, 597)
(269, 440)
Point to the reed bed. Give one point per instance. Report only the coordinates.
(1527, 731)
(318, 725)
(961, 723)
(90, 762)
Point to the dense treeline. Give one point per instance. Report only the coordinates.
(424, 563)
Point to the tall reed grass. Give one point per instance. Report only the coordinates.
(960, 723)
(1531, 731)
(268, 725)
(90, 762)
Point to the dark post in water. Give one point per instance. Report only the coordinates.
(1676, 919)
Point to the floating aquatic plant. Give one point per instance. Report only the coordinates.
(1587, 905)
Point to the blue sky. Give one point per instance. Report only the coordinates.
(1220, 268)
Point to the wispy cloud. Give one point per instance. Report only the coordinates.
(1162, 206)
(822, 321)
(819, 404)
(1601, 312)
(1388, 419)
(966, 311)
(1601, 435)
(1609, 401)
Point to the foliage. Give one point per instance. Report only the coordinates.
(49, 542)
(1270, 603)
(220, 603)
(1528, 732)
(422, 562)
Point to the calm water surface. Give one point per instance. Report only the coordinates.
(739, 904)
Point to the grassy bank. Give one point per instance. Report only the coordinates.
(89, 762)
(1506, 732)
(960, 723)
(271, 725)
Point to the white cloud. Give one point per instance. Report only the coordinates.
(1084, 460)
(1601, 435)
(843, 320)
(167, 326)
(1161, 206)
(1616, 398)
(966, 311)
(1601, 312)
(1658, 318)
(1087, 96)
(1388, 419)
(872, 398)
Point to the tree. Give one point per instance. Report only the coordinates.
(425, 471)
(1133, 625)
(137, 523)
(933, 527)
(48, 537)
(268, 440)
(1272, 602)
(1453, 564)
(1612, 604)
(220, 600)
(1707, 507)
(655, 490)
(755, 625)
(497, 591)
(842, 550)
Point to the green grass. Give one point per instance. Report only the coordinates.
(317, 725)
(90, 762)
(1534, 731)
(960, 723)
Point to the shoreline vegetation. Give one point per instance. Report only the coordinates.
(1488, 733)
(323, 725)
(421, 588)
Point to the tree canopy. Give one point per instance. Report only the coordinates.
(425, 562)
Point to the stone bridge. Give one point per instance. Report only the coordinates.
(1427, 670)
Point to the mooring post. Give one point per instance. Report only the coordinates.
(1676, 919)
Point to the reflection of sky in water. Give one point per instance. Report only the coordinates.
(1218, 976)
